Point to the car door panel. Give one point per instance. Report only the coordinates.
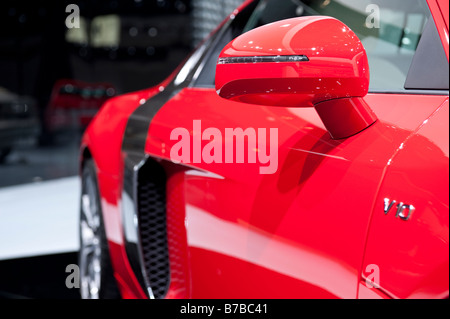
(306, 224)
(412, 255)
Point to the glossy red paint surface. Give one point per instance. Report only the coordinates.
(337, 65)
(345, 117)
(444, 6)
(332, 77)
(311, 229)
(439, 10)
(413, 255)
(103, 140)
(271, 221)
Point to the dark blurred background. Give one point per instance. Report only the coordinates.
(120, 46)
(54, 79)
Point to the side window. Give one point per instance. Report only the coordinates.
(389, 30)
(429, 69)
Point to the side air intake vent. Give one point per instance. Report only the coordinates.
(151, 202)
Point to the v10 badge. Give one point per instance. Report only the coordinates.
(404, 211)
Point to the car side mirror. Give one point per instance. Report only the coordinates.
(302, 62)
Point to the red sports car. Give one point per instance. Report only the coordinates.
(302, 151)
(73, 104)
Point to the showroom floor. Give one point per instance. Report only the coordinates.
(39, 194)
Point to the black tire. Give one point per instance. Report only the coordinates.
(108, 285)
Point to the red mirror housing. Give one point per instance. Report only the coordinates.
(302, 62)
